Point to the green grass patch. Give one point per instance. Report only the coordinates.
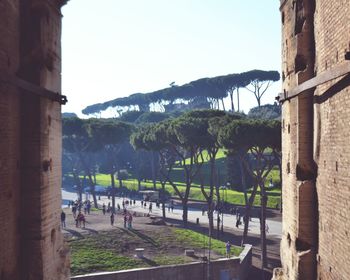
(233, 197)
(170, 260)
(113, 250)
(87, 259)
(194, 239)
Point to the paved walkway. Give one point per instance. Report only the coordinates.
(275, 227)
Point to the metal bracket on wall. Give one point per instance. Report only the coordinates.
(30, 87)
(326, 76)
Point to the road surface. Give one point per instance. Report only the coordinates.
(274, 225)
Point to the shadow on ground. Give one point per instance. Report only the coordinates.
(273, 245)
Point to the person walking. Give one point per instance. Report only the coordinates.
(238, 221)
(228, 249)
(104, 209)
(74, 210)
(63, 219)
(150, 207)
(112, 219)
(88, 206)
(80, 220)
(125, 220)
(129, 221)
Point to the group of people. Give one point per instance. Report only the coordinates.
(109, 208)
(144, 205)
(78, 206)
(128, 220)
(128, 217)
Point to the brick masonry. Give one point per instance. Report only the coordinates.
(31, 244)
(315, 135)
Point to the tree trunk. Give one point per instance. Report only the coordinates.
(153, 171)
(91, 182)
(263, 226)
(184, 212)
(84, 180)
(217, 223)
(163, 200)
(210, 234)
(92, 190)
(237, 99)
(94, 174)
(113, 191)
(246, 216)
(218, 205)
(138, 184)
(79, 185)
(223, 104)
(244, 181)
(211, 218)
(231, 97)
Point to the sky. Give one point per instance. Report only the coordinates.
(114, 48)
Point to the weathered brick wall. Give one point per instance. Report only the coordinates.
(315, 135)
(332, 141)
(41, 143)
(32, 246)
(299, 227)
(9, 144)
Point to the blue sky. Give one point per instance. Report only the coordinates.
(113, 48)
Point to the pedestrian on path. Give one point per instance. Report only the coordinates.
(104, 209)
(129, 221)
(80, 220)
(112, 219)
(125, 220)
(238, 221)
(74, 210)
(63, 219)
(228, 249)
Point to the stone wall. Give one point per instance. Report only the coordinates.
(9, 142)
(31, 243)
(332, 140)
(235, 268)
(316, 156)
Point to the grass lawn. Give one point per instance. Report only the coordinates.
(233, 197)
(113, 250)
(198, 240)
